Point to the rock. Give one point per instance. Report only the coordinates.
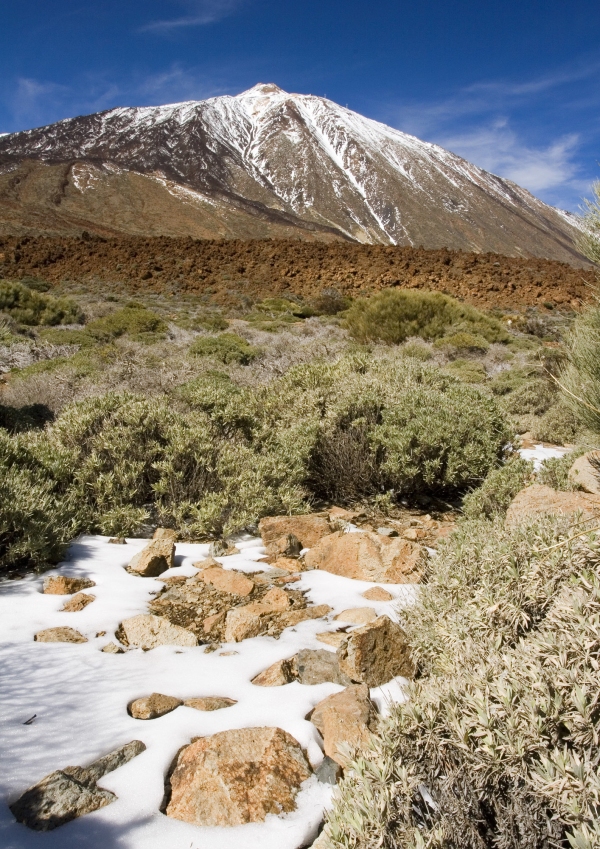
(227, 581)
(286, 546)
(69, 793)
(328, 771)
(322, 842)
(357, 615)
(277, 675)
(151, 707)
(154, 559)
(339, 514)
(118, 541)
(246, 621)
(537, 499)
(344, 718)
(387, 532)
(376, 653)
(317, 666)
(113, 648)
(585, 472)
(222, 548)
(147, 632)
(165, 533)
(366, 556)
(78, 602)
(213, 621)
(294, 617)
(210, 703)
(332, 638)
(377, 594)
(236, 777)
(59, 635)
(414, 534)
(64, 585)
(288, 564)
(307, 529)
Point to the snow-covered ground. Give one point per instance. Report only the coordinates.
(540, 453)
(80, 694)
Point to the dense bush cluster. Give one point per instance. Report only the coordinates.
(226, 348)
(29, 307)
(222, 455)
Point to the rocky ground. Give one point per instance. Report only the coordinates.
(235, 273)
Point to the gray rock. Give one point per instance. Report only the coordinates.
(328, 771)
(316, 666)
(71, 792)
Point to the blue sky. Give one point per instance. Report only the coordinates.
(514, 86)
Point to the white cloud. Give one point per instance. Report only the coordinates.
(200, 13)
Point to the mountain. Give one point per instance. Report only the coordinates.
(265, 164)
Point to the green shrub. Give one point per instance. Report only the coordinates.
(329, 302)
(463, 342)
(59, 336)
(495, 745)
(534, 397)
(133, 320)
(468, 371)
(493, 497)
(31, 308)
(555, 471)
(418, 350)
(558, 425)
(581, 378)
(214, 322)
(227, 348)
(393, 315)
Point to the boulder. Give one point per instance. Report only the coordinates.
(146, 631)
(59, 635)
(285, 546)
(317, 666)
(227, 580)
(357, 615)
(376, 653)
(332, 638)
(367, 556)
(151, 707)
(287, 564)
(210, 703)
(236, 777)
(344, 719)
(277, 675)
(71, 792)
(585, 472)
(165, 533)
(248, 620)
(78, 602)
(154, 559)
(307, 529)
(539, 499)
(64, 585)
(377, 594)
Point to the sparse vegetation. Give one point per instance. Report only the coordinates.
(226, 348)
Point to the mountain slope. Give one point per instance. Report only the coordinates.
(267, 163)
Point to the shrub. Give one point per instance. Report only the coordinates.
(463, 341)
(214, 322)
(555, 471)
(227, 348)
(495, 494)
(496, 742)
(393, 315)
(581, 378)
(134, 320)
(468, 371)
(31, 308)
(60, 336)
(558, 425)
(418, 350)
(330, 302)
(533, 397)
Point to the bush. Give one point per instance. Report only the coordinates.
(133, 320)
(495, 494)
(59, 336)
(495, 745)
(468, 371)
(555, 471)
(463, 341)
(393, 315)
(418, 350)
(31, 308)
(581, 378)
(558, 425)
(533, 397)
(227, 348)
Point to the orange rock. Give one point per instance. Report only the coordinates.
(585, 472)
(236, 777)
(78, 602)
(344, 719)
(59, 635)
(227, 580)
(152, 707)
(377, 594)
(367, 556)
(154, 559)
(357, 615)
(165, 533)
(64, 585)
(210, 703)
(277, 675)
(537, 499)
(308, 529)
(376, 653)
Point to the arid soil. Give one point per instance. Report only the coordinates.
(237, 273)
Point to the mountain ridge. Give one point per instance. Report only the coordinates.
(265, 163)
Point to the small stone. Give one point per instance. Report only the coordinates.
(537, 499)
(286, 546)
(210, 703)
(113, 648)
(59, 635)
(288, 564)
(367, 556)
(101, 633)
(585, 472)
(332, 638)
(64, 585)
(318, 666)
(307, 529)
(165, 533)
(277, 675)
(213, 621)
(154, 559)
(376, 653)
(118, 541)
(414, 534)
(294, 617)
(152, 707)
(236, 777)
(227, 580)
(357, 615)
(244, 622)
(377, 594)
(146, 631)
(78, 602)
(387, 532)
(222, 548)
(344, 719)
(328, 771)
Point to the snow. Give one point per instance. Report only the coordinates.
(540, 453)
(80, 694)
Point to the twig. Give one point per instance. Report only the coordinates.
(564, 541)
(30, 720)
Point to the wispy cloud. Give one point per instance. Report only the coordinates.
(199, 13)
